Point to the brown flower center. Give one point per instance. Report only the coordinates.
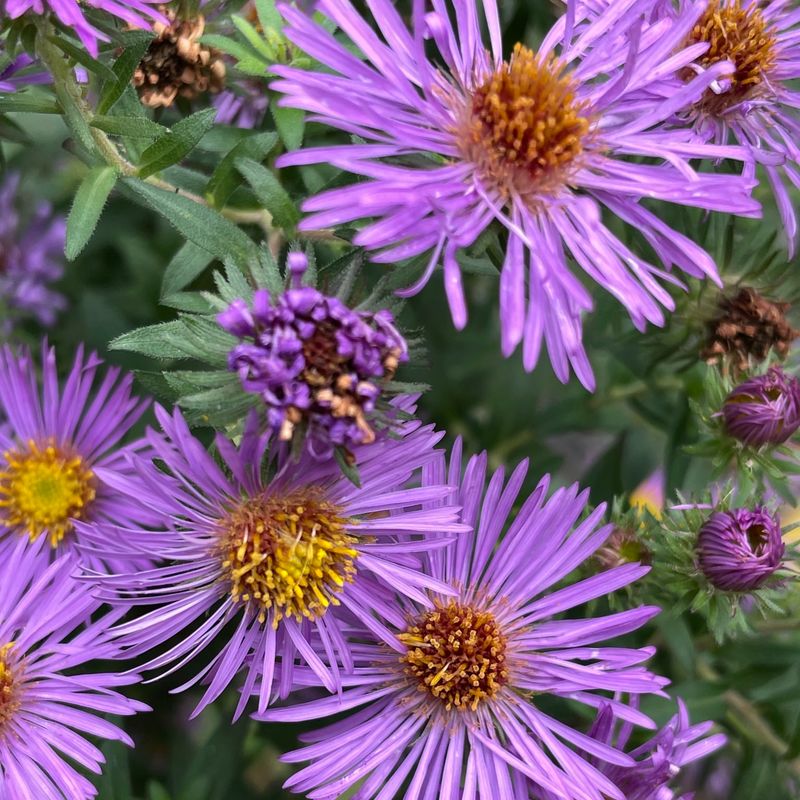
(457, 654)
(292, 554)
(524, 128)
(9, 700)
(741, 36)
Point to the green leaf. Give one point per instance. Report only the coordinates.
(269, 192)
(268, 15)
(185, 266)
(156, 341)
(255, 39)
(87, 207)
(135, 127)
(197, 223)
(79, 55)
(349, 470)
(225, 179)
(230, 47)
(176, 143)
(27, 103)
(136, 44)
(290, 123)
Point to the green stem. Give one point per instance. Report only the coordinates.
(79, 116)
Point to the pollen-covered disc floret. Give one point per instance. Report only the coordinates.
(9, 701)
(739, 34)
(524, 127)
(457, 654)
(44, 488)
(293, 554)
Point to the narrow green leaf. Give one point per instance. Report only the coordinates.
(176, 143)
(123, 68)
(80, 55)
(269, 192)
(135, 127)
(87, 207)
(290, 123)
(268, 15)
(225, 178)
(185, 266)
(228, 46)
(254, 38)
(197, 223)
(26, 103)
(156, 341)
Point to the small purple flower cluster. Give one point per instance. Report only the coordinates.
(314, 361)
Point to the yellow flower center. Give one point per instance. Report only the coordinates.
(44, 490)
(9, 701)
(524, 127)
(457, 654)
(291, 554)
(741, 36)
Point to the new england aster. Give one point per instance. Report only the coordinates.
(289, 558)
(59, 447)
(540, 142)
(71, 14)
(450, 707)
(49, 703)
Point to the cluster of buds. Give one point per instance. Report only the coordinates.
(314, 361)
(177, 64)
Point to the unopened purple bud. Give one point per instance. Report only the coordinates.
(739, 550)
(764, 409)
(236, 319)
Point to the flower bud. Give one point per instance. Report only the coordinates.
(764, 409)
(739, 550)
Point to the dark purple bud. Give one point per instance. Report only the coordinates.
(739, 550)
(764, 409)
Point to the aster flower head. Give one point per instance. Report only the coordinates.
(315, 362)
(450, 705)
(49, 700)
(31, 259)
(539, 142)
(756, 105)
(741, 549)
(286, 551)
(659, 760)
(764, 409)
(60, 449)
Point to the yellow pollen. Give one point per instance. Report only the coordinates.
(291, 554)
(457, 654)
(44, 489)
(9, 701)
(524, 128)
(741, 36)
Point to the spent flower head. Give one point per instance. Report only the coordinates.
(318, 365)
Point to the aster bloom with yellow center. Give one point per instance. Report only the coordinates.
(61, 449)
(451, 707)
(537, 141)
(757, 105)
(286, 554)
(51, 702)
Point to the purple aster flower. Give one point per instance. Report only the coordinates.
(31, 258)
(451, 706)
(764, 409)
(244, 106)
(21, 72)
(70, 13)
(314, 361)
(283, 560)
(658, 761)
(739, 550)
(540, 143)
(757, 105)
(61, 449)
(49, 702)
